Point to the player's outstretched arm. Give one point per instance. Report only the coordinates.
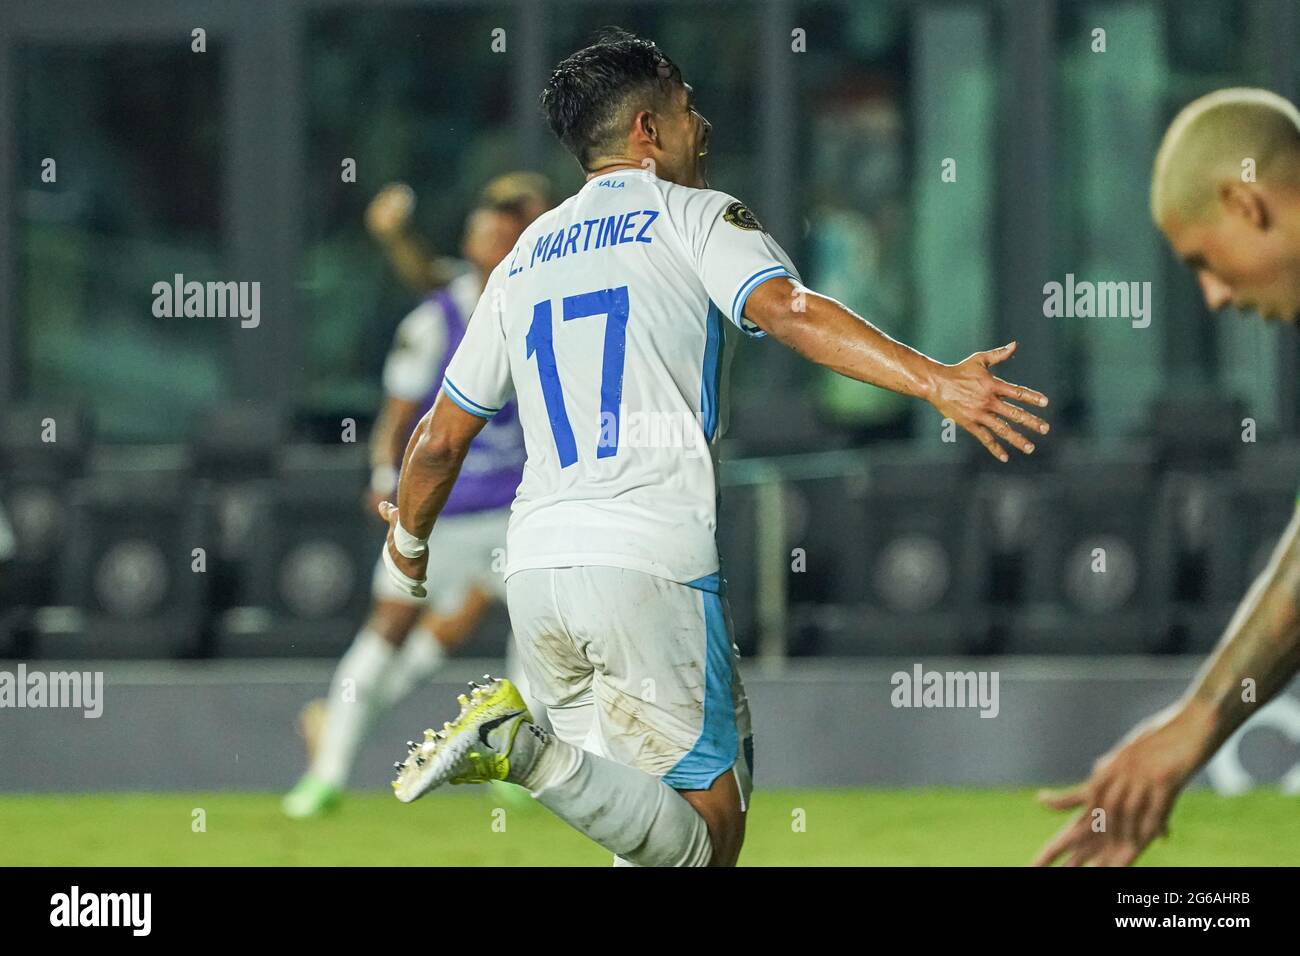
(1136, 784)
(429, 469)
(388, 219)
(825, 332)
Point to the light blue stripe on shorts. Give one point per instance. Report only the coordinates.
(715, 749)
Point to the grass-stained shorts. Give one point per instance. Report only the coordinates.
(637, 668)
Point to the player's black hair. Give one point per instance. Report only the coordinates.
(588, 94)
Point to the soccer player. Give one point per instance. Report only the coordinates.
(1240, 234)
(394, 650)
(608, 322)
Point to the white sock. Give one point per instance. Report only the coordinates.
(417, 661)
(635, 815)
(351, 706)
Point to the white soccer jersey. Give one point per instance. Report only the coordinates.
(411, 368)
(608, 321)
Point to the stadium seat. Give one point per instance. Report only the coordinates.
(1198, 432)
(34, 489)
(304, 582)
(236, 447)
(130, 584)
(1093, 564)
(14, 634)
(240, 441)
(899, 581)
(1228, 527)
(808, 559)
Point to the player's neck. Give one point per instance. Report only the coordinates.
(616, 164)
(605, 167)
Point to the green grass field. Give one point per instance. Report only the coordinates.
(843, 827)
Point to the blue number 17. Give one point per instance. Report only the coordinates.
(611, 303)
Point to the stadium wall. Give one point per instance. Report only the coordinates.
(231, 725)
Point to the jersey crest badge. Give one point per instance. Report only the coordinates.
(738, 215)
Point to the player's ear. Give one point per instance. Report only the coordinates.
(645, 129)
(1244, 201)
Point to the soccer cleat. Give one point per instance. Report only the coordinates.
(476, 747)
(311, 797)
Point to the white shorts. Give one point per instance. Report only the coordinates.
(464, 551)
(637, 668)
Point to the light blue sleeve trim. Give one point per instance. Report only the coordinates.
(743, 293)
(711, 371)
(474, 408)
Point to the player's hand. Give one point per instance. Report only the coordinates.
(1126, 802)
(371, 500)
(980, 402)
(390, 211)
(413, 569)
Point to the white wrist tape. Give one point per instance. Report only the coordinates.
(408, 584)
(408, 545)
(383, 479)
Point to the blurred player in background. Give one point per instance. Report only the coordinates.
(1225, 192)
(405, 639)
(608, 321)
(388, 220)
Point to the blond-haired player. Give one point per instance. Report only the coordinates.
(1225, 191)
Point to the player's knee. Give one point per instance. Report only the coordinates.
(451, 630)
